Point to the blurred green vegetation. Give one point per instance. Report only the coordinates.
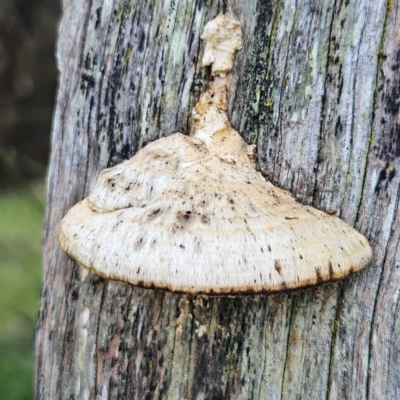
(28, 77)
(21, 215)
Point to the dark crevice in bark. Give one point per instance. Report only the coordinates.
(255, 72)
(189, 107)
(222, 6)
(115, 155)
(191, 344)
(350, 160)
(287, 345)
(98, 108)
(172, 354)
(167, 60)
(263, 360)
(84, 35)
(323, 105)
(180, 91)
(336, 321)
(371, 332)
(279, 131)
(143, 140)
(66, 338)
(270, 40)
(88, 159)
(375, 102)
(210, 343)
(126, 318)
(96, 355)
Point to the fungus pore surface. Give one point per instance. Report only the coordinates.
(192, 214)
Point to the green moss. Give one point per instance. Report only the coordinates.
(228, 370)
(371, 137)
(150, 369)
(128, 53)
(269, 103)
(229, 362)
(21, 215)
(120, 16)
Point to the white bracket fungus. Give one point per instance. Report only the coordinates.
(192, 214)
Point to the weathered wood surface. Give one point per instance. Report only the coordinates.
(317, 89)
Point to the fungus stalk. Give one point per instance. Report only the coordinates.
(223, 38)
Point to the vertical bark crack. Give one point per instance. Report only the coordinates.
(140, 142)
(279, 140)
(339, 309)
(191, 344)
(274, 25)
(85, 30)
(128, 309)
(96, 362)
(67, 325)
(323, 103)
(287, 345)
(369, 146)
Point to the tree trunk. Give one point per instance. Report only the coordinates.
(316, 88)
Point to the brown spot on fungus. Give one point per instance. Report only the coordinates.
(319, 275)
(278, 267)
(154, 213)
(330, 269)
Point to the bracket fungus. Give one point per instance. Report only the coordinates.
(193, 215)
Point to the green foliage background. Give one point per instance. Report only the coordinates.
(21, 215)
(28, 77)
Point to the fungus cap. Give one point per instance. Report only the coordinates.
(192, 214)
(176, 217)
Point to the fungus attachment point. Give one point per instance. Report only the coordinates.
(192, 214)
(223, 37)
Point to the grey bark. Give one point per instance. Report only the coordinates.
(317, 90)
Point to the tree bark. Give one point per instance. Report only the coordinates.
(316, 88)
